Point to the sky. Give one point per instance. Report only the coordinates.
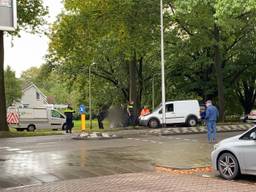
(29, 50)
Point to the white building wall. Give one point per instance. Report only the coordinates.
(29, 98)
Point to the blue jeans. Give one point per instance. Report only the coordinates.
(211, 127)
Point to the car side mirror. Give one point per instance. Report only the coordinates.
(253, 136)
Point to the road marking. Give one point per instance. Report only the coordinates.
(24, 152)
(46, 143)
(4, 147)
(12, 149)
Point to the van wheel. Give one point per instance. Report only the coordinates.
(192, 121)
(153, 123)
(31, 128)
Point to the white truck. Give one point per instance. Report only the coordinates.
(31, 119)
(183, 111)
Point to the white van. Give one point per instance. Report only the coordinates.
(185, 111)
(31, 119)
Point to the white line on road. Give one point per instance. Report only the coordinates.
(12, 149)
(25, 152)
(46, 143)
(4, 148)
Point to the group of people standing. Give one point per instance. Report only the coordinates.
(121, 116)
(128, 116)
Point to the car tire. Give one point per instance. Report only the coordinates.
(31, 128)
(191, 121)
(228, 166)
(153, 123)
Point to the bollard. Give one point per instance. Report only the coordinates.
(83, 122)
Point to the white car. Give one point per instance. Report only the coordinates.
(236, 155)
(183, 111)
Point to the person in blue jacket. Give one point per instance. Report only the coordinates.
(211, 117)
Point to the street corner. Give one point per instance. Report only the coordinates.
(96, 136)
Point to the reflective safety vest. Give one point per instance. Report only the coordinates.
(130, 108)
(144, 111)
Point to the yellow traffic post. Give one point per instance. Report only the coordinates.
(83, 122)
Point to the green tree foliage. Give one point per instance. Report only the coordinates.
(202, 38)
(207, 54)
(119, 36)
(12, 87)
(30, 16)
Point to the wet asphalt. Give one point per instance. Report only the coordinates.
(37, 160)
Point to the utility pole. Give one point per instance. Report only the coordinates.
(162, 64)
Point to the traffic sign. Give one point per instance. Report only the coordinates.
(12, 118)
(8, 15)
(82, 109)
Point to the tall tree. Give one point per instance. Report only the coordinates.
(121, 37)
(12, 87)
(30, 16)
(210, 29)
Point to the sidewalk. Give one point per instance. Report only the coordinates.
(141, 182)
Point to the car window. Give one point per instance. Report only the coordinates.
(56, 114)
(247, 135)
(169, 107)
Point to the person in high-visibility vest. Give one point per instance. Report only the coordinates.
(69, 118)
(131, 113)
(144, 111)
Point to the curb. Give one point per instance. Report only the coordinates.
(199, 130)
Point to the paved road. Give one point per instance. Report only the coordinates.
(29, 161)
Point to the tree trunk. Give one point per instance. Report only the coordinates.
(133, 82)
(219, 72)
(246, 93)
(3, 123)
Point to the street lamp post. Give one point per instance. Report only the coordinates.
(162, 64)
(90, 96)
(153, 93)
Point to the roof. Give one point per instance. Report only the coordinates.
(29, 85)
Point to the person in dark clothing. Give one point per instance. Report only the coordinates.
(69, 119)
(101, 116)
